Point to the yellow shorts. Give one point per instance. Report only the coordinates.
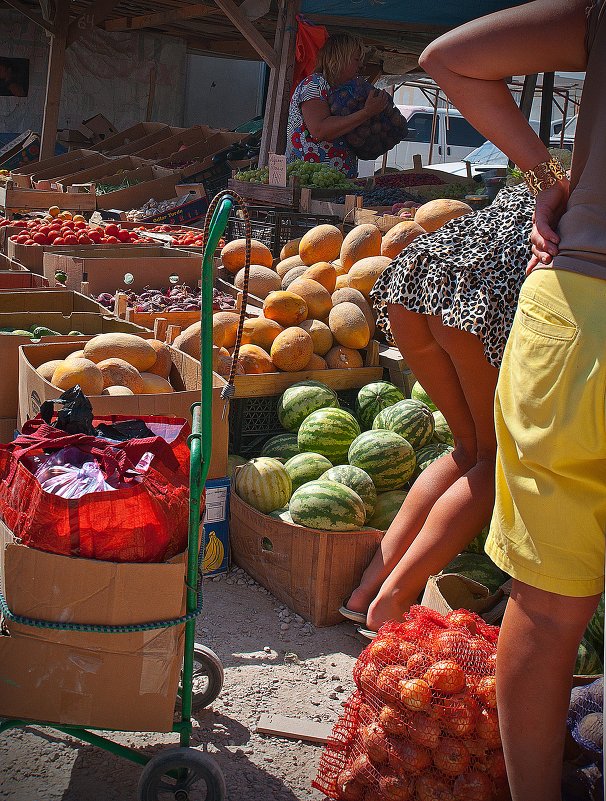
(550, 412)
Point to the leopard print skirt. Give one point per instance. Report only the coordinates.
(469, 272)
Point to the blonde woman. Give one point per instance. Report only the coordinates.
(315, 135)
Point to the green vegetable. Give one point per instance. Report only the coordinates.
(43, 331)
(75, 334)
(19, 332)
(589, 662)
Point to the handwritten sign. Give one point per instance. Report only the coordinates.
(277, 170)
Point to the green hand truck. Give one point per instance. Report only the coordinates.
(183, 773)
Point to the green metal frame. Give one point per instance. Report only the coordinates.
(200, 445)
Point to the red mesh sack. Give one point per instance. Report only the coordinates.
(147, 521)
(422, 724)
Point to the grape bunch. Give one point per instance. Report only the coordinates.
(260, 176)
(399, 179)
(309, 174)
(380, 196)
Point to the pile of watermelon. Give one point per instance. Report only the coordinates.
(336, 469)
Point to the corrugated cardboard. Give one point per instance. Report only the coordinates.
(114, 144)
(100, 171)
(185, 378)
(181, 138)
(21, 279)
(52, 300)
(155, 182)
(150, 266)
(108, 681)
(86, 322)
(216, 521)
(32, 256)
(310, 571)
(23, 175)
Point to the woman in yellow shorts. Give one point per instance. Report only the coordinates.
(550, 512)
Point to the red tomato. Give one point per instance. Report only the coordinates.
(40, 239)
(71, 239)
(124, 236)
(113, 239)
(80, 224)
(44, 229)
(111, 230)
(69, 224)
(451, 757)
(59, 241)
(473, 786)
(51, 238)
(83, 239)
(29, 242)
(95, 236)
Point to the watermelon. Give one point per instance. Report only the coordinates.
(306, 467)
(478, 544)
(386, 508)
(234, 461)
(281, 446)
(357, 480)
(430, 453)
(594, 633)
(301, 399)
(329, 432)
(386, 456)
(373, 398)
(327, 505)
(410, 419)
(480, 568)
(589, 662)
(441, 432)
(418, 393)
(264, 484)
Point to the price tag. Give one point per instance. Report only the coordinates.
(277, 170)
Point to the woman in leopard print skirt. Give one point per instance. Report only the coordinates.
(448, 302)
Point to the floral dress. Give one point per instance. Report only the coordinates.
(301, 145)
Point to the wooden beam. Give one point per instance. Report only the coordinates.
(161, 18)
(54, 79)
(28, 12)
(97, 12)
(248, 30)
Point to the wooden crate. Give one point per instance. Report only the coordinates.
(308, 570)
(286, 196)
(398, 371)
(13, 198)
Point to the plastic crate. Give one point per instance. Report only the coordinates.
(252, 421)
(275, 226)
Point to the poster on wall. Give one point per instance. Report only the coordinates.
(14, 77)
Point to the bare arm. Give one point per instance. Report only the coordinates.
(322, 125)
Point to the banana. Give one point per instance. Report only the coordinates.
(214, 554)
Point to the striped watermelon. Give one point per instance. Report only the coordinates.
(301, 399)
(327, 505)
(357, 480)
(386, 456)
(373, 398)
(441, 432)
(329, 432)
(429, 454)
(410, 419)
(386, 508)
(264, 484)
(282, 447)
(306, 467)
(418, 393)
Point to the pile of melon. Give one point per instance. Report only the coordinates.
(113, 364)
(336, 469)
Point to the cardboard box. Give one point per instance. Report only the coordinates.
(150, 266)
(119, 141)
(185, 378)
(8, 426)
(21, 279)
(310, 571)
(181, 138)
(107, 681)
(25, 149)
(216, 524)
(100, 171)
(32, 256)
(48, 300)
(24, 175)
(155, 182)
(86, 322)
(51, 176)
(98, 128)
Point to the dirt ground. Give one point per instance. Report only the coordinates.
(274, 663)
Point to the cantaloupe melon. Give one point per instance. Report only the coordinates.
(342, 281)
(315, 296)
(324, 273)
(293, 274)
(117, 391)
(261, 281)
(287, 264)
(164, 363)
(339, 356)
(361, 242)
(233, 255)
(399, 237)
(118, 373)
(350, 295)
(285, 308)
(291, 248)
(364, 273)
(77, 354)
(316, 363)
(223, 364)
(78, 372)
(255, 360)
(292, 349)
(348, 325)
(436, 213)
(260, 331)
(321, 335)
(322, 243)
(224, 321)
(131, 348)
(47, 369)
(155, 385)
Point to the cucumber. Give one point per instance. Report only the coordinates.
(19, 332)
(43, 331)
(75, 334)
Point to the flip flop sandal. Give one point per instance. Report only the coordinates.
(368, 633)
(355, 617)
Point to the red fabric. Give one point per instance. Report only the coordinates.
(310, 39)
(144, 522)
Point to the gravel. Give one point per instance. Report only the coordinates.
(275, 662)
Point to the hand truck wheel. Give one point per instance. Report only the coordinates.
(207, 680)
(181, 774)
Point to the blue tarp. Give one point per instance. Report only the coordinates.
(445, 13)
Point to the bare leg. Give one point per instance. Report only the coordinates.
(435, 370)
(465, 506)
(537, 648)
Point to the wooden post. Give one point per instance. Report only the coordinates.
(54, 80)
(160, 328)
